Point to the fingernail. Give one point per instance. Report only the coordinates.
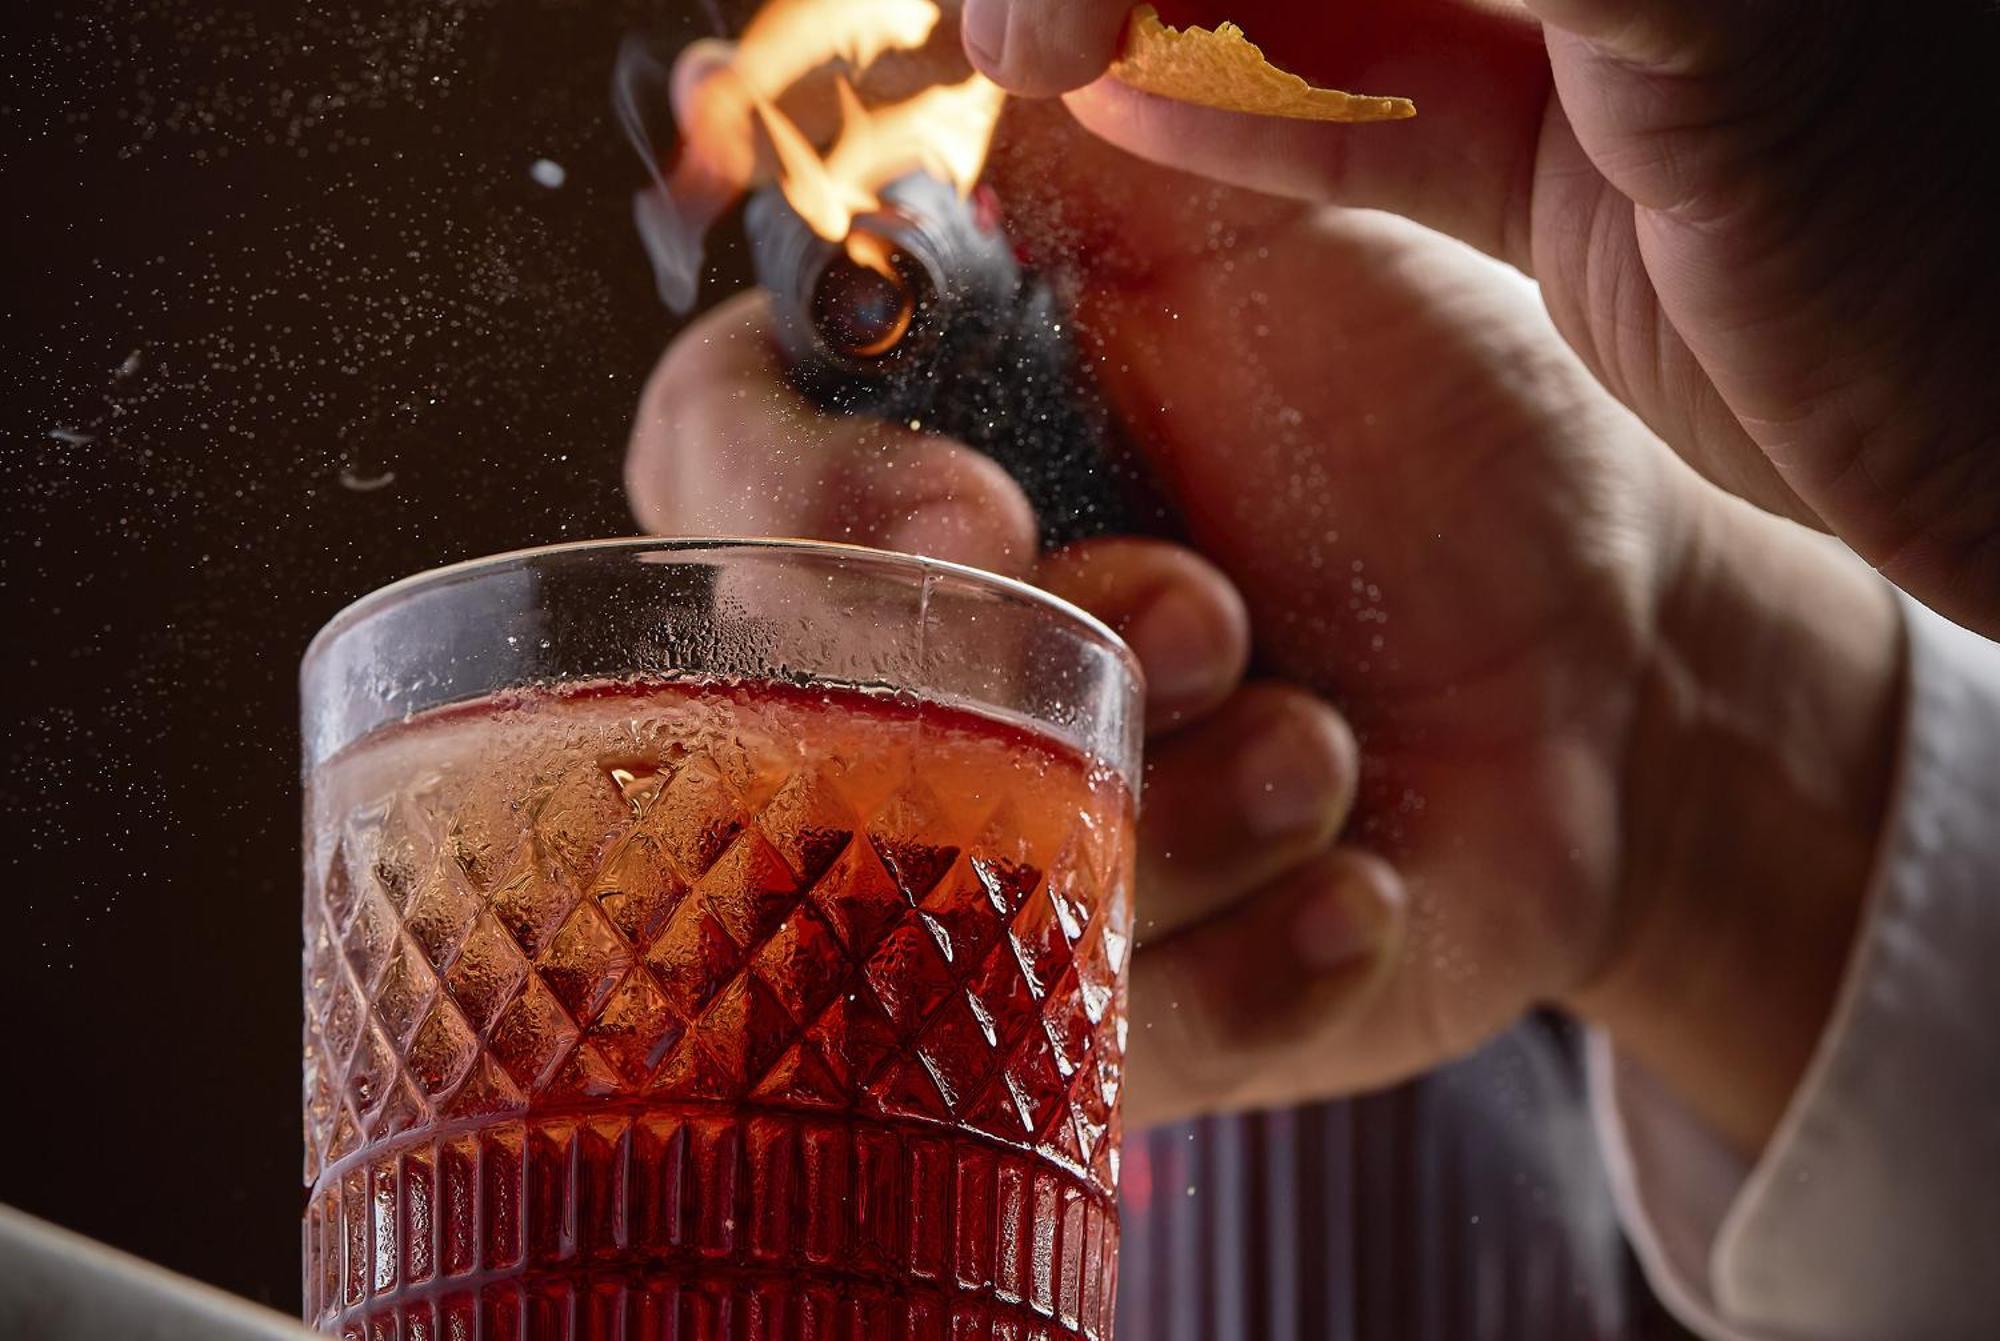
(1176, 644)
(1285, 781)
(949, 530)
(1335, 928)
(984, 23)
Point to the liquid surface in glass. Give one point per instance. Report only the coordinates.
(713, 1010)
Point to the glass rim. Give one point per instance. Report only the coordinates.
(362, 607)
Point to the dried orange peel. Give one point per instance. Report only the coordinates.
(1222, 68)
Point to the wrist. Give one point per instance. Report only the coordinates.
(1754, 788)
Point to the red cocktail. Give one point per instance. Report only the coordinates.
(721, 1005)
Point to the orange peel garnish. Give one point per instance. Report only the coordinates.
(1224, 69)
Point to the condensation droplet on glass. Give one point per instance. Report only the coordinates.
(547, 172)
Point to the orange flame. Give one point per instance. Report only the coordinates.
(872, 253)
(788, 39)
(944, 130)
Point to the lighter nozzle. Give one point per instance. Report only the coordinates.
(864, 317)
(866, 298)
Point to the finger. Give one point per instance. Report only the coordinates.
(1464, 165)
(1042, 47)
(1183, 618)
(1235, 800)
(1229, 1012)
(722, 445)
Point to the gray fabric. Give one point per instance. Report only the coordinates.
(1470, 1205)
(59, 1286)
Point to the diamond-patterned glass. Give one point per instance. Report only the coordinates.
(583, 962)
(443, 1050)
(487, 971)
(678, 1004)
(404, 992)
(439, 913)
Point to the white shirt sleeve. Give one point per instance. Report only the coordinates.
(1874, 1212)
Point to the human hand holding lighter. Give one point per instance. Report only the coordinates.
(1434, 518)
(1748, 220)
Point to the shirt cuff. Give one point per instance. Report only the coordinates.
(1870, 1213)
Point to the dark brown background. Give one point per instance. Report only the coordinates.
(310, 233)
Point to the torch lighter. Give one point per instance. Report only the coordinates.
(924, 315)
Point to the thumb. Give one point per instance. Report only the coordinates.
(1042, 47)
